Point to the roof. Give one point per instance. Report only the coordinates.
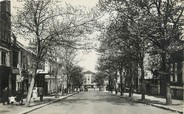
(88, 72)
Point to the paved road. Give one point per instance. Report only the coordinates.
(96, 102)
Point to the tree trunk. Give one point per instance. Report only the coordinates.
(131, 82)
(142, 81)
(67, 84)
(168, 95)
(68, 87)
(56, 84)
(130, 91)
(121, 83)
(167, 79)
(109, 88)
(56, 81)
(116, 89)
(28, 99)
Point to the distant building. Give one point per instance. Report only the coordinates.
(88, 79)
(51, 77)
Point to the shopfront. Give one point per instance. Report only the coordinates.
(4, 78)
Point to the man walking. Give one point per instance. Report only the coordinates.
(5, 96)
(41, 93)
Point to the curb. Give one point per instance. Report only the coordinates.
(160, 106)
(42, 105)
(166, 108)
(155, 105)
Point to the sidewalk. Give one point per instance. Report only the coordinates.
(21, 109)
(177, 105)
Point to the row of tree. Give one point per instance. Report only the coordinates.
(65, 64)
(136, 28)
(56, 30)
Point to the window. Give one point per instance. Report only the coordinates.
(19, 85)
(0, 30)
(175, 72)
(8, 6)
(2, 33)
(0, 7)
(6, 36)
(3, 58)
(171, 70)
(15, 58)
(9, 36)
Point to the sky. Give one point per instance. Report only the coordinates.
(87, 60)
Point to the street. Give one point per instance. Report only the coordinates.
(97, 102)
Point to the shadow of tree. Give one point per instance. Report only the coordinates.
(95, 97)
(147, 101)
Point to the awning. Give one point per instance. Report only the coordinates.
(15, 71)
(42, 72)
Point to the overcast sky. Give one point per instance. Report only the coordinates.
(88, 61)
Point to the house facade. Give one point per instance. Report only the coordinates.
(177, 74)
(88, 79)
(52, 77)
(5, 46)
(155, 85)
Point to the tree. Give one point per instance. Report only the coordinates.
(106, 66)
(53, 55)
(34, 20)
(156, 25)
(65, 57)
(46, 25)
(77, 76)
(99, 79)
(165, 33)
(69, 63)
(120, 40)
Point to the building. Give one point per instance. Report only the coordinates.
(25, 60)
(88, 79)
(24, 63)
(5, 47)
(50, 77)
(155, 85)
(177, 74)
(17, 62)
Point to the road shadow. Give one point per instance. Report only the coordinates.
(85, 98)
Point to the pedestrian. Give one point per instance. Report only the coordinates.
(41, 93)
(65, 91)
(35, 93)
(5, 96)
(19, 97)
